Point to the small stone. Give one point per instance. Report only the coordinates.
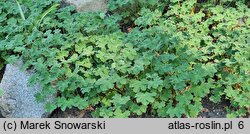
(210, 115)
(18, 99)
(89, 5)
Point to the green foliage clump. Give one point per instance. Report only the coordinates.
(174, 54)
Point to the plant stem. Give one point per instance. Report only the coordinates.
(20, 10)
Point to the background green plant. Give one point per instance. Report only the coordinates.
(176, 53)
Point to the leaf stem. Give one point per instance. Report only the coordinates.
(20, 10)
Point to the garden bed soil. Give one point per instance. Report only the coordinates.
(1, 116)
(71, 113)
(1, 77)
(214, 110)
(1, 73)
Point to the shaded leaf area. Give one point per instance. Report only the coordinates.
(165, 62)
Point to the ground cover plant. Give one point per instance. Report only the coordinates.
(159, 57)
